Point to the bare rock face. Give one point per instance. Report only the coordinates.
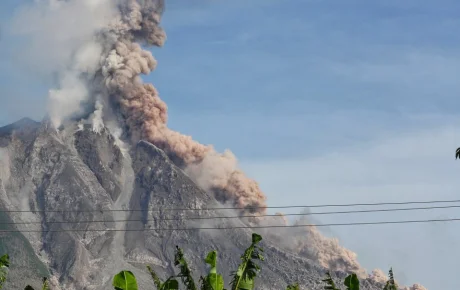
(90, 209)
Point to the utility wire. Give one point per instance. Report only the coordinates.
(241, 227)
(237, 208)
(237, 217)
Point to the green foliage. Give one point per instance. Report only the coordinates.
(330, 285)
(5, 261)
(170, 284)
(4, 265)
(125, 280)
(185, 273)
(391, 284)
(352, 282)
(45, 286)
(213, 281)
(244, 277)
(293, 287)
(155, 278)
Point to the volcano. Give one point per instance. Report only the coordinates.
(80, 206)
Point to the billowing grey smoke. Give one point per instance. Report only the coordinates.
(145, 115)
(101, 70)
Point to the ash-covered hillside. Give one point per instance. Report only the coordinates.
(78, 176)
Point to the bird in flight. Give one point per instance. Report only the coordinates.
(457, 154)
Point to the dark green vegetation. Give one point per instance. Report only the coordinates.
(391, 284)
(4, 265)
(242, 279)
(44, 287)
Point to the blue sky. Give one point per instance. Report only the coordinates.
(322, 101)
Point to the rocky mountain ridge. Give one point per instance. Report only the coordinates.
(70, 186)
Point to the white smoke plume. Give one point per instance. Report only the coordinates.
(97, 119)
(328, 252)
(54, 283)
(309, 242)
(62, 40)
(415, 287)
(66, 101)
(60, 34)
(379, 276)
(4, 167)
(5, 172)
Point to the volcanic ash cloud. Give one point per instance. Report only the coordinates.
(99, 64)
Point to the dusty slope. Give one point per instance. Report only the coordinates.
(77, 174)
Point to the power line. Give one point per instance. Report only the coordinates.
(241, 227)
(237, 217)
(236, 208)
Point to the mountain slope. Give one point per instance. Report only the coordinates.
(77, 175)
